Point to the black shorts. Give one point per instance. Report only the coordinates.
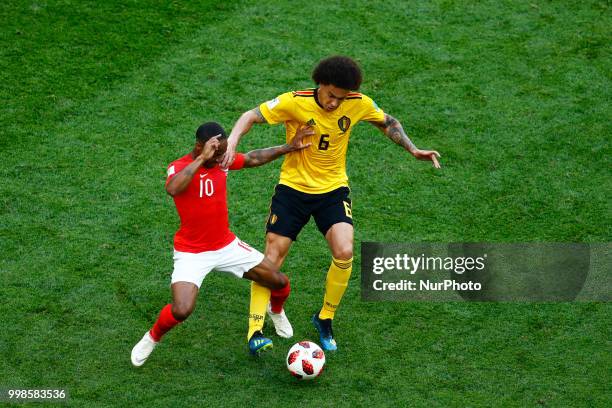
(291, 210)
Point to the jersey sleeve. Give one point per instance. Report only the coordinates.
(173, 169)
(370, 112)
(238, 162)
(279, 109)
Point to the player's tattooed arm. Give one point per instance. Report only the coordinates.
(258, 157)
(181, 180)
(393, 129)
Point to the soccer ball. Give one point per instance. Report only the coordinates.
(305, 360)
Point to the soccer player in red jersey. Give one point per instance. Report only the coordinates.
(204, 241)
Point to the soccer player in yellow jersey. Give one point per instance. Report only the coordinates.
(313, 182)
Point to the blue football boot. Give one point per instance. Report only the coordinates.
(326, 334)
(258, 343)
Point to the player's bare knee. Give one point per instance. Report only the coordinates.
(277, 248)
(343, 253)
(182, 310)
(280, 280)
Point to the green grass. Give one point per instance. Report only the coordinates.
(98, 98)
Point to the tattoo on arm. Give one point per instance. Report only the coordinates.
(258, 157)
(181, 180)
(190, 171)
(394, 131)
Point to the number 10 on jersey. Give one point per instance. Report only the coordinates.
(206, 187)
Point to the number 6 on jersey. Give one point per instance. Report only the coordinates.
(324, 142)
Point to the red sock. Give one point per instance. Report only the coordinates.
(278, 298)
(164, 323)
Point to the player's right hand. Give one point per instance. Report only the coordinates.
(210, 147)
(428, 155)
(304, 131)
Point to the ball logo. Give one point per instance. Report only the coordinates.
(318, 354)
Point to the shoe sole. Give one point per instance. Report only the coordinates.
(284, 335)
(260, 350)
(138, 363)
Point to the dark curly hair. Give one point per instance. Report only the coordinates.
(339, 71)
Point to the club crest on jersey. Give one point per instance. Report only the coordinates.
(273, 219)
(344, 123)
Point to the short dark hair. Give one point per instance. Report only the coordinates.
(208, 130)
(339, 71)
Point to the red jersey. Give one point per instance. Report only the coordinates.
(202, 207)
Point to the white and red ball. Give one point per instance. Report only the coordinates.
(305, 360)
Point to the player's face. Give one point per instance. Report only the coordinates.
(330, 97)
(218, 156)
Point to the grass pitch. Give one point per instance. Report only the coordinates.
(98, 98)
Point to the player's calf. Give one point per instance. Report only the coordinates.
(267, 275)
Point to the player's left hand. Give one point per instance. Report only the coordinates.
(431, 155)
(229, 155)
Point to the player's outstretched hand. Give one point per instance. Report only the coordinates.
(229, 155)
(210, 147)
(297, 143)
(431, 155)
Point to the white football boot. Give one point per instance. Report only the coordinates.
(143, 349)
(281, 323)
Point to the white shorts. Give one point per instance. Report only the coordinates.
(235, 258)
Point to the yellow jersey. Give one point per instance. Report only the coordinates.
(322, 166)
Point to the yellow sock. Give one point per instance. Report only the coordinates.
(260, 297)
(335, 285)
